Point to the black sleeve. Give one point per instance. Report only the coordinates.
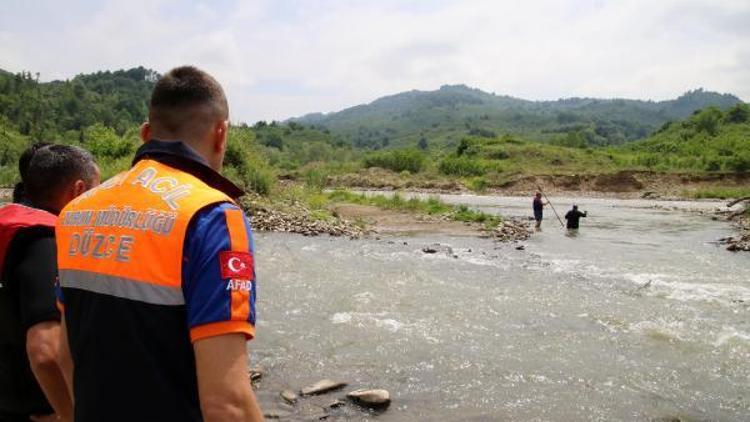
(35, 274)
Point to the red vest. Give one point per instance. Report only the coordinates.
(15, 217)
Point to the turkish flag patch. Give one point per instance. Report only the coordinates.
(237, 265)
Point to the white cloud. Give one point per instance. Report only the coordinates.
(283, 58)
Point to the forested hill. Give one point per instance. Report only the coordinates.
(442, 117)
(47, 110)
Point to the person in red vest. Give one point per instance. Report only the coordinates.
(157, 272)
(32, 386)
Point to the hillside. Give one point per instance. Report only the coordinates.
(710, 140)
(473, 138)
(442, 117)
(45, 110)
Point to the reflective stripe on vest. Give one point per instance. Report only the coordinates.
(15, 217)
(240, 298)
(125, 238)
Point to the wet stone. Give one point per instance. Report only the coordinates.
(289, 396)
(256, 373)
(376, 398)
(277, 414)
(323, 386)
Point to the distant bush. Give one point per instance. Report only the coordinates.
(484, 133)
(496, 152)
(478, 184)
(718, 192)
(738, 163)
(463, 145)
(712, 164)
(461, 166)
(12, 145)
(244, 165)
(103, 142)
(316, 179)
(397, 160)
(707, 120)
(738, 114)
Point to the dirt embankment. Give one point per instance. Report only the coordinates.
(626, 184)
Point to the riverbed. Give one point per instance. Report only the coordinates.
(640, 316)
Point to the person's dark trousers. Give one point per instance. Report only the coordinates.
(5, 417)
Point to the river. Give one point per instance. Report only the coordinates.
(639, 317)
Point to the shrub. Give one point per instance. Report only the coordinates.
(708, 120)
(478, 184)
(103, 142)
(481, 132)
(398, 160)
(740, 113)
(12, 145)
(738, 163)
(712, 164)
(461, 166)
(243, 163)
(316, 179)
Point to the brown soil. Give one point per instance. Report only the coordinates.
(626, 184)
(395, 222)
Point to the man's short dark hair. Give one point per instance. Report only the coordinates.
(186, 99)
(19, 193)
(53, 167)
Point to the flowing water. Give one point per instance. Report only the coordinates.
(638, 317)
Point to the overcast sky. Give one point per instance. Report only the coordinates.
(280, 58)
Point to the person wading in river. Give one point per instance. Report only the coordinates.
(32, 385)
(574, 216)
(157, 272)
(538, 206)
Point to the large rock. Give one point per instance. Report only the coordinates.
(323, 386)
(371, 398)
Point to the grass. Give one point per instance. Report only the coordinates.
(430, 206)
(718, 193)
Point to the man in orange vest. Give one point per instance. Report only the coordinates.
(157, 273)
(31, 379)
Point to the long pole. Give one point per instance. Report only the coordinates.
(551, 206)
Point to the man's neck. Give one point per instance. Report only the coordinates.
(49, 208)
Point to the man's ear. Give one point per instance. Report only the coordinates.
(221, 131)
(146, 132)
(79, 187)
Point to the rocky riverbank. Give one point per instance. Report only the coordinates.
(295, 217)
(326, 399)
(355, 221)
(741, 242)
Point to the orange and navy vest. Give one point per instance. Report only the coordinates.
(120, 260)
(125, 237)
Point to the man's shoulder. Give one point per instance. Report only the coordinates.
(214, 211)
(211, 220)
